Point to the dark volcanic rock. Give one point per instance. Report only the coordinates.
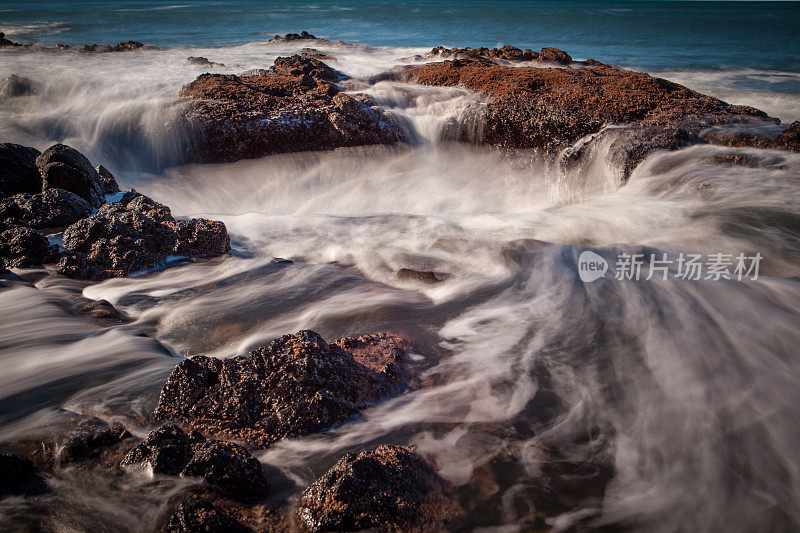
(18, 172)
(389, 488)
(63, 167)
(23, 247)
(508, 53)
(225, 465)
(107, 180)
(292, 107)
(6, 42)
(166, 450)
(302, 36)
(296, 385)
(230, 467)
(18, 86)
(54, 208)
(90, 441)
(127, 46)
(133, 234)
(196, 515)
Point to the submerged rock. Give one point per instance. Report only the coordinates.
(296, 385)
(134, 234)
(294, 106)
(99, 309)
(54, 208)
(91, 440)
(18, 86)
(18, 172)
(200, 61)
(389, 488)
(63, 167)
(196, 515)
(19, 476)
(227, 466)
(407, 274)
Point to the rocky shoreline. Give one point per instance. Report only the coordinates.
(540, 101)
(215, 415)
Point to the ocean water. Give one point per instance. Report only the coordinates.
(653, 405)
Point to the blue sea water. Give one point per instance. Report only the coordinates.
(654, 35)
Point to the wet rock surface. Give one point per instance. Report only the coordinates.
(227, 466)
(200, 61)
(134, 234)
(18, 86)
(90, 440)
(63, 167)
(294, 106)
(18, 172)
(296, 385)
(508, 53)
(407, 274)
(126, 46)
(107, 180)
(101, 309)
(197, 515)
(289, 37)
(23, 247)
(549, 109)
(389, 488)
(789, 139)
(54, 208)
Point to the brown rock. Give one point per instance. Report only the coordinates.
(555, 55)
(292, 107)
(197, 515)
(296, 385)
(226, 466)
(390, 488)
(549, 109)
(789, 139)
(407, 274)
(133, 234)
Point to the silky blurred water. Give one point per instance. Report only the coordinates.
(654, 405)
